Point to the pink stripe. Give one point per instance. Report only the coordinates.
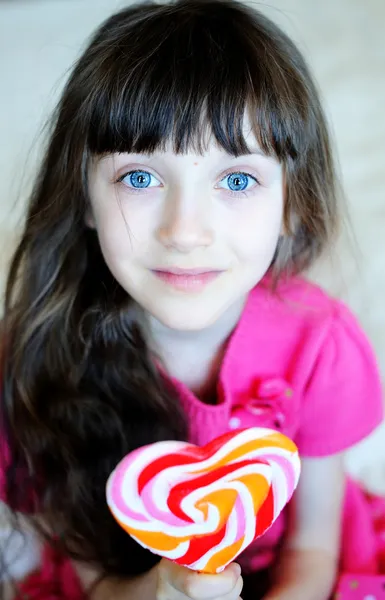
(241, 520)
(286, 467)
(117, 485)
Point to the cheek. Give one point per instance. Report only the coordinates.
(255, 232)
(122, 231)
(114, 234)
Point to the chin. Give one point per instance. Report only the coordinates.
(186, 321)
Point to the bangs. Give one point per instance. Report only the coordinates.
(180, 75)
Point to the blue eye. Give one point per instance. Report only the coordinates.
(238, 182)
(139, 179)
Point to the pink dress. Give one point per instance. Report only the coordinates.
(297, 362)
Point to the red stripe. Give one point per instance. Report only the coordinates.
(164, 462)
(265, 514)
(200, 545)
(217, 443)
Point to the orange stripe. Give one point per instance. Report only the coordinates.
(156, 540)
(224, 500)
(223, 557)
(259, 489)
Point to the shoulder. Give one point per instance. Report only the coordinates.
(297, 304)
(299, 324)
(309, 304)
(305, 296)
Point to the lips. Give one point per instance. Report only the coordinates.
(188, 280)
(180, 271)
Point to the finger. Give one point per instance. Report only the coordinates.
(235, 593)
(165, 591)
(200, 586)
(173, 574)
(170, 577)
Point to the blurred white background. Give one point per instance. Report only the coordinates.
(343, 41)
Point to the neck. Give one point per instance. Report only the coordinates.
(218, 332)
(194, 357)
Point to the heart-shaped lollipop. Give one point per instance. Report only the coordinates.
(201, 507)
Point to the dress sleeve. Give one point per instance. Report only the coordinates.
(4, 462)
(26, 501)
(343, 401)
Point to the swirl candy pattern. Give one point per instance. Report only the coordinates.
(201, 507)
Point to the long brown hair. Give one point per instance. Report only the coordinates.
(79, 387)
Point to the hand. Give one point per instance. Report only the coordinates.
(179, 583)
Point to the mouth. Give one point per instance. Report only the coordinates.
(188, 280)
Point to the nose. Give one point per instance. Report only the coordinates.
(185, 224)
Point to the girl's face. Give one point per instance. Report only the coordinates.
(187, 236)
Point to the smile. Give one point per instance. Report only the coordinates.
(188, 280)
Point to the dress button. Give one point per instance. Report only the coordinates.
(234, 423)
(279, 420)
(280, 417)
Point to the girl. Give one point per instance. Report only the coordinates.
(156, 294)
